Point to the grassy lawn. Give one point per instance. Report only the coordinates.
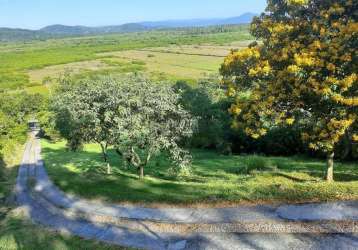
(19, 233)
(215, 178)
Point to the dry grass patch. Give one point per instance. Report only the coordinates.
(178, 61)
(204, 50)
(38, 75)
(179, 65)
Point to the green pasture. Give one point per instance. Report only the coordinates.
(214, 179)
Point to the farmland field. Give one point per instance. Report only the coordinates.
(187, 62)
(179, 54)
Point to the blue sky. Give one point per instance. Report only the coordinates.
(35, 14)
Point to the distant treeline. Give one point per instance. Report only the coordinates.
(61, 31)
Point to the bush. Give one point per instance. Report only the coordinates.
(257, 163)
(282, 141)
(207, 101)
(74, 145)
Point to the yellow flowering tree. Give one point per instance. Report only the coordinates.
(303, 71)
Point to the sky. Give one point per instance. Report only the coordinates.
(34, 14)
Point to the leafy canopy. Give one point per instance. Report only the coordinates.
(303, 71)
(151, 120)
(85, 111)
(138, 117)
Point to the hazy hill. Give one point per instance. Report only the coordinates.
(66, 30)
(83, 30)
(58, 30)
(243, 19)
(7, 34)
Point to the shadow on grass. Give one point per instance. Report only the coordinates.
(215, 178)
(19, 233)
(343, 172)
(82, 173)
(287, 176)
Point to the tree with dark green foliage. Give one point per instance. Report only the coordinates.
(150, 121)
(137, 117)
(85, 112)
(208, 102)
(15, 110)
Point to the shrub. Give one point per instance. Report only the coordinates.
(257, 163)
(282, 141)
(207, 101)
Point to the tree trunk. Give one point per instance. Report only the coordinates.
(109, 169)
(347, 146)
(330, 162)
(137, 162)
(141, 172)
(105, 158)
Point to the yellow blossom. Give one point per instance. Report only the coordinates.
(253, 72)
(355, 137)
(304, 59)
(290, 121)
(235, 110)
(255, 136)
(297, 2)
(331, 67)
(293, 69)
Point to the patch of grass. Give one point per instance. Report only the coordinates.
(9, 165)
(19, 233)
(209, 50)
(138, 62)
(256, 163)
(124, 68)
(37, 75)
(215, 178)
(182, 66)
(41, 89)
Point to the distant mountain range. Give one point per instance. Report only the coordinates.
(243, 19)
(58, 30)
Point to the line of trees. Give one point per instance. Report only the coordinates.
(141, 119)
(15, 110)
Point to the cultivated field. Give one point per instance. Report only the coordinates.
(38, 75)
(25, 65)
(187, 62)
